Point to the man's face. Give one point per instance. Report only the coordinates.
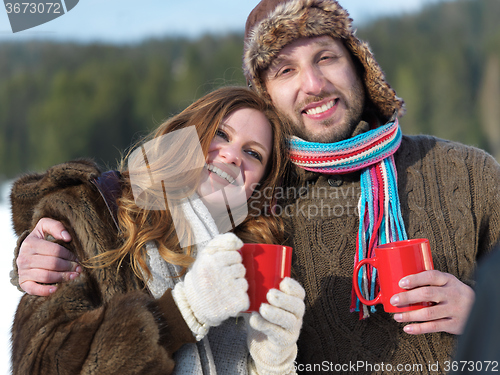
(314, 82)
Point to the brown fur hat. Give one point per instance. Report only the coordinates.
(273, 24)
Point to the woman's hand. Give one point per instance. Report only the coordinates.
(215, 287)
(273, 332)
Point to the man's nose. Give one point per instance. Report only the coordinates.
(313, 81)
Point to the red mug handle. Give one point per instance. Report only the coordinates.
(364, 301)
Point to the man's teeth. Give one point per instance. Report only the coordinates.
(219, 172)
(320, 109)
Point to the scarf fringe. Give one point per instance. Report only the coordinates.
(380, 219)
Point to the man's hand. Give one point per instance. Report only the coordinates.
(452, 300)
(42, 261)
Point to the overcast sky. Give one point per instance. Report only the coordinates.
(125, 21)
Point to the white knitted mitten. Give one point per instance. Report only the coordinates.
(215, 287)
(272, 334)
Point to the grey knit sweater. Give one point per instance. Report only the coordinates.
(449, 194)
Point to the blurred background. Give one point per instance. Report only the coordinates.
(93, 81)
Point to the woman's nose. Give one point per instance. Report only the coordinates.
(231, 154)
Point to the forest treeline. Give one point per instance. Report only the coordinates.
(60, 101)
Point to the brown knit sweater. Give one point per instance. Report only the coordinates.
(449, 194)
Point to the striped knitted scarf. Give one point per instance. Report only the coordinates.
(380, 219)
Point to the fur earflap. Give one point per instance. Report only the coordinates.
(273, 24)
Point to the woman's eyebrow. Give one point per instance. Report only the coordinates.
(260, 146)
(226, 127)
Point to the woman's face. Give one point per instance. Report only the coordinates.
(238, 155)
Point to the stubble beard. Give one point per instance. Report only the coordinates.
(333, 133)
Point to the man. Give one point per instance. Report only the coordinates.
(304, 57)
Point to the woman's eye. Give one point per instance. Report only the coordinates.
(222, 134)
(254, 154)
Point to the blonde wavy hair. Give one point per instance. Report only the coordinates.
(139, 225)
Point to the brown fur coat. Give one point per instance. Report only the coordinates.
(102, 322)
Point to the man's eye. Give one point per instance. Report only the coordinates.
(328, 58)
(284, 71)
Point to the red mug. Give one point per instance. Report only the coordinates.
(266, 265)
(394, 261)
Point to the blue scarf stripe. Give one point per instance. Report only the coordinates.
(345, 145)
(378, 154)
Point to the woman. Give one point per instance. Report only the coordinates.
(161, 287)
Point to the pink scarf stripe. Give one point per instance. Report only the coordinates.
(344, 170)
(353, 147)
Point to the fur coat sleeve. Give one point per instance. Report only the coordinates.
(105, 321)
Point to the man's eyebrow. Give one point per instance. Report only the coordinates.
(277, 62)
(323, 43)
(282, 59)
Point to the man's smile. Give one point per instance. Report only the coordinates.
(315, 109)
